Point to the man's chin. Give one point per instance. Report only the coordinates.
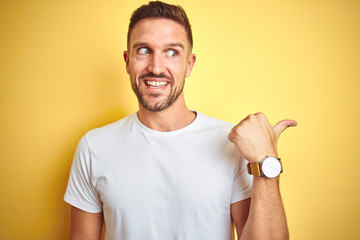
(155, 107)
(157, 102)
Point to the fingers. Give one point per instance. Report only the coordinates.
(255, 138)
(282, 125)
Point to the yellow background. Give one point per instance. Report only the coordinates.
(62, 74)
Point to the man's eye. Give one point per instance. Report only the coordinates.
(172, 53)
(143, 51)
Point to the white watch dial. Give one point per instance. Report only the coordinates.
(271, 167)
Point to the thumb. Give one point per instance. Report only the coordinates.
(282, 125)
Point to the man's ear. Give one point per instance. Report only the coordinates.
(190, 64)
(126, 58)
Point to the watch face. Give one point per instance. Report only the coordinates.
(271, 167)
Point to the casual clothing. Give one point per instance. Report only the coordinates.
(160, 185)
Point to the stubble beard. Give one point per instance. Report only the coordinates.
(152, 104)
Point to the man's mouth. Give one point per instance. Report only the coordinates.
(155, 84)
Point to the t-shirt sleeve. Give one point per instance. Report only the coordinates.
(80, 191)
(242, 185)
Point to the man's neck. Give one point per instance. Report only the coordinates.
(173, 118)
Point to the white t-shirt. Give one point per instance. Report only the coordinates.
(160, 185)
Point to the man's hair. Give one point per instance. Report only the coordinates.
(158, 9)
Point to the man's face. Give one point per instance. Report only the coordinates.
(158, 60)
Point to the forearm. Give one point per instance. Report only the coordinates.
(267, 219)
(255, 138)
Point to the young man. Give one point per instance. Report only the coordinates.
(166, 172)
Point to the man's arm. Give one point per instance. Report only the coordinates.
(239, 214)
(85, 225)
(266, 218)
(255, 138)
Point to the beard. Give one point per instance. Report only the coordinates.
(151, 101)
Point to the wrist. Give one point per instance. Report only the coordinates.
(260, 157)
(269, 167)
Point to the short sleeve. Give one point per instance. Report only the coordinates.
(242, 185)
(80, 191)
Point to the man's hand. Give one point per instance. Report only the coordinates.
(255, 138)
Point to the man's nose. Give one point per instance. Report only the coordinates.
(156, 64)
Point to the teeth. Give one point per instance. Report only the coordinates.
(155, 84)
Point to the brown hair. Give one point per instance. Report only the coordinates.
(158, 9)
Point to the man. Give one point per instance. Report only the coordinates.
(166, 172)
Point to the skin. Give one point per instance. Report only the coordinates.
(160, 52)
(160, 47)
(85, 225)
(255, 138)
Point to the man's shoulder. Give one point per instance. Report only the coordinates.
(213, 122)
(111, 129)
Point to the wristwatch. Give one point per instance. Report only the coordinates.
(270, 167)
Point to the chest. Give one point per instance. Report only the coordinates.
(155, 176)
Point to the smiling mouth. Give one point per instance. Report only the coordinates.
(155, 84)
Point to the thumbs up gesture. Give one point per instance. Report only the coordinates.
(255, 138)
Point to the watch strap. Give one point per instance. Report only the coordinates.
(255, 168)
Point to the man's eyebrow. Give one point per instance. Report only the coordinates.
(140, 44)
(175, 45)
